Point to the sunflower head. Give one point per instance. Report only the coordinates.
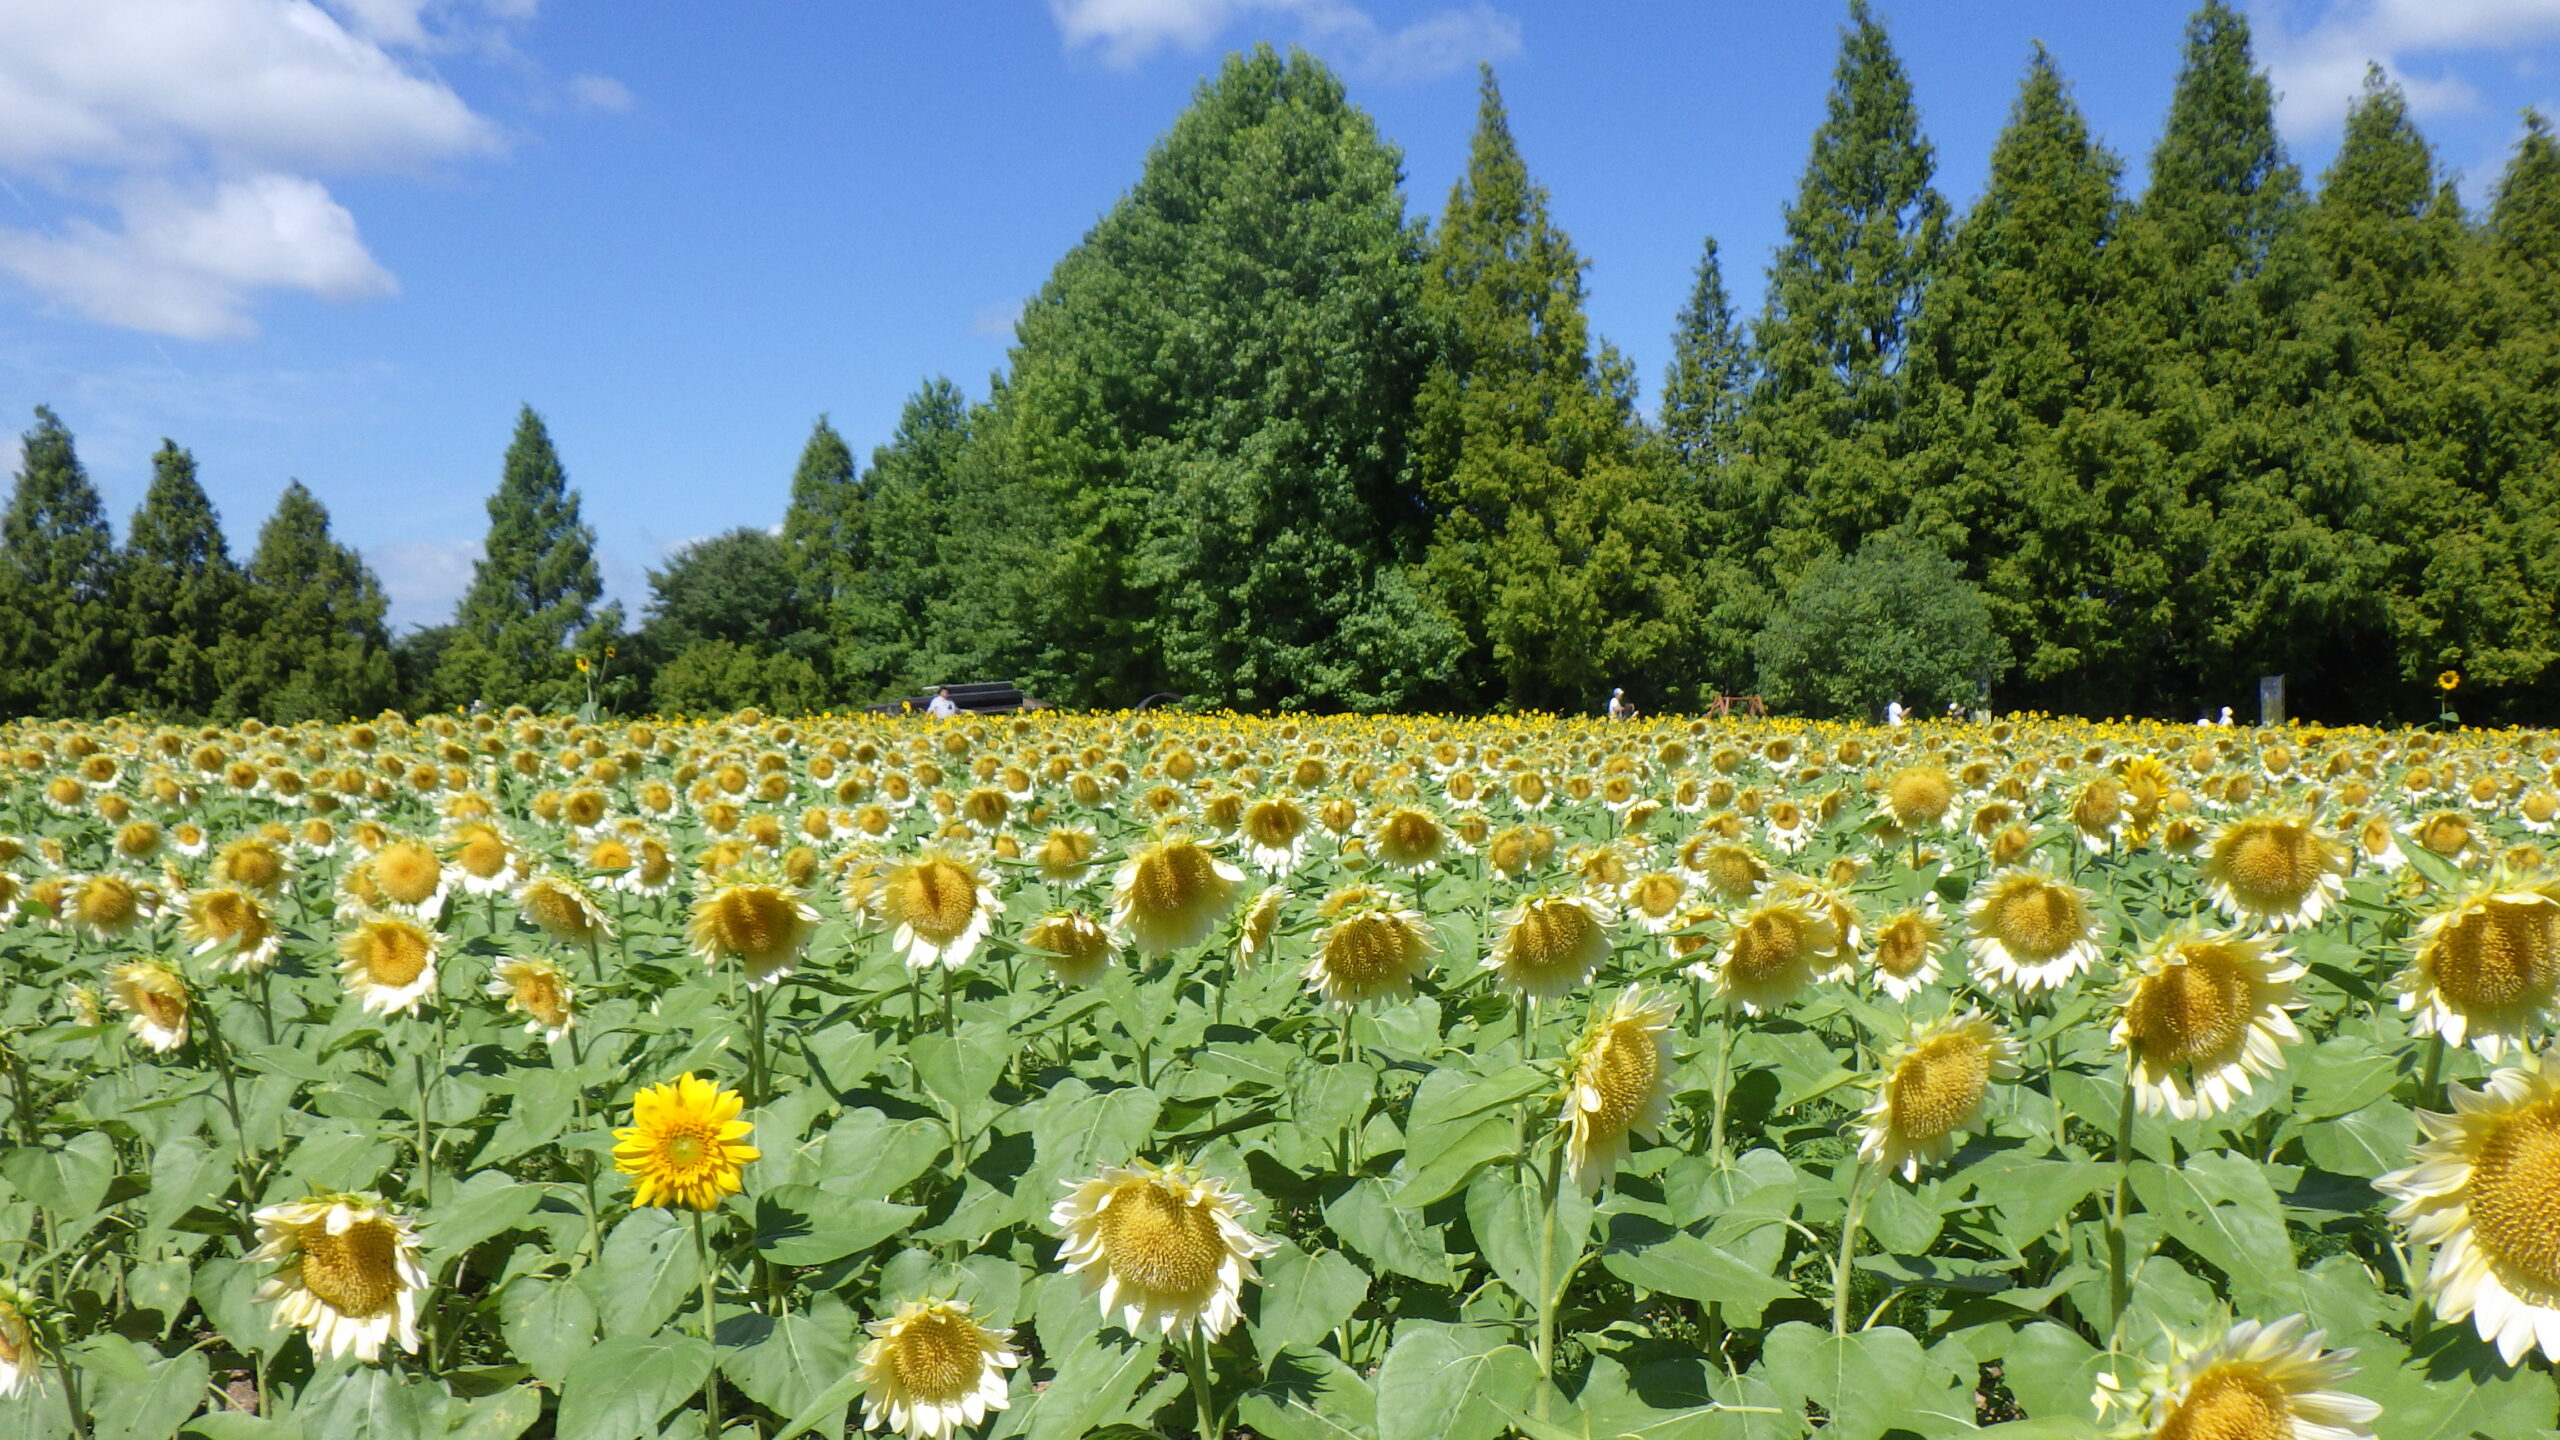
(1935, 1086)
(562, 909)
(2249, 1382)
(2487, 968)
(1551, 943)
(1409, 839)
(1919, 796)
(538, 990)
(157, 999)
(2033, 930)
(2202, 1014)
(1621, 1085)
(1171, 893)
(1776, 949)
(1065, 854)
(1075, 946)
(684, 1144)
(408, 872)
(108, 905)
(931, 1368)
(763, 927)
(346, 1273)
(937, 898)
(1165, 1248)
(389, 963)
(1907, 946)
(2277, 871)
(1372, 952)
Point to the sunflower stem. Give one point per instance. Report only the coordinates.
(1722, 1080)
(1547, 1296)
(2119, 1274)
(221, 1053)
(586, 1160)
(426, 1165)
(1841, 1271)
(710, 1323)
(948, 1028)
(2434, 1072)
(758, 1090)
(1204, 1400)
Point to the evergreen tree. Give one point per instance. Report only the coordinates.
(533, 591)
(823, 533)
(1555, 547)
(1202, 445)
(2004, 405)
(1862, 241)
(181, 593)
(2517, 275)
(316, 648)
(1895, 620)
(1710, 374)
(59, 647)
(921, 610)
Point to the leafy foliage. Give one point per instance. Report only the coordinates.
(1895, 621)
(533, 590)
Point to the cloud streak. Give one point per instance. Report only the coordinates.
(2317, 54)
(1127, 33)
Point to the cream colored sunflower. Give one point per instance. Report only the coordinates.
(2281, 872)
(1409, 839)
(2485, 1191)
(1920, 797)
(1935, 1088)
(1551, 943)
(764, 927)
(562, 909)
(2249, 1382)
(2031, 932)
(2202, 1012)
(388, 963)
(234, 922)
(1258, 924)
(347, 1273)
(1372, 951)
(1621, 1086)
(157, 999)
(2487, 968)
(1656, 899)
(1776, 949)
(1074, 945)
(540, 991)
(108, 905)
(1163, 1248)
(1171, 893)
(939, 905)
(1908, 947)
(931, 1369)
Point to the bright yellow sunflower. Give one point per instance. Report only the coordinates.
(681, 1148)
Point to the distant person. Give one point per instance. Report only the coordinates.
(1894, 714)
(942, 703)
(1955, 710)
(1619, 709)
(2226, 716)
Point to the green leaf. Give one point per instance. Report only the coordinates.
(1393, 1238)
(1443, 1169)
(798, 1356)
(1653, 1256)
(366, 1402)
(547, 1323)
(484, 1205)
(69, 1180)
(1308, 1394)
(804, 1225)
(1509, 1223)
(1868, 1381)
(1303, 1297)
(869, 1156)
(133, 1392)
(2220, 1206)
(647, 1270)
(2370, 1142)
(624, 1388)
(1450, 1382)
(501, 1416)
(1094, 1383)
(2051, 1371)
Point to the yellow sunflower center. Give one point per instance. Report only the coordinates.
(1938, 1087)
(1902, 945)
(2446, 835)
(165, 1009)
(408, 872)
(1916, 796)
(2272, 867)
(752, 921)
(1172, 878)
(223, 914)
(1547, 936)
(1733, 871)
(1409, 837)
(538, 994)
(394, 955)
(255, 865)
(2194, 1010)
(2515, 1194)
(937, 1357)
(1366, 952)
(1620, 1068)
(1274, 824)
(1656, 895)
(1768, 945)
(937, 898)
(2498, 952)
(557, 911)
(108, 902)
(355, 1272)
(2540, 806)
(481, 857)
(2231, 1402)
(2038, 920)
(1161, 1243)
(986, 808)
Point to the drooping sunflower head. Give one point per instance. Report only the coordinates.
(1776, 949)
(2487, 968)
(1372, 952)
(346, 1273)
(19, 1355)
(1919, 796)
(2276, 871)
(684, 1145)
(157, 999)
(1621, 1085)
(1551, 943)
(761, 926)
(1170, 893)
(562, 909)
(1259, 922)
(931, 1369)
(540, 991)
(2031, 930)
(1066, 853)
(1935, 1086)
(231, 919)
(1409, 838)
(1074, 945)
(1164, 1248)
(408, 872)
(388, 962)
(2200, 1015)
(1907, 947)
(939, 903)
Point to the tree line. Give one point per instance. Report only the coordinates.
(1267, 439)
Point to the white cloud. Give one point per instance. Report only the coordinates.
(2317, 54)
(601, 94)
(996, 322)
(187, 264)
(423, 579)
(1128, 32)
(180, 140)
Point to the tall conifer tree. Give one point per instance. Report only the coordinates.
(314, 647)
(1710, 373)
(180, 592)
(534, 589)
(59, 647)
(1554, 545)
(2001, 374)
(823, 531)
(1862, 240)
(2518, 274)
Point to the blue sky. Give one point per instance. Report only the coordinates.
(342, 241)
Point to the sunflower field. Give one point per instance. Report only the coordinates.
(1182, 1075)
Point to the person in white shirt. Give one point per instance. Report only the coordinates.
(942, 703)
(1893, 711)
(1619, 709)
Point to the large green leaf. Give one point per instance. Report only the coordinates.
(624, 1388)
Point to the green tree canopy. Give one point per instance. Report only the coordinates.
(1895, 620)
(534, 589)
(60, 650)
(314, 647)
(181, 593)
(739, 586)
